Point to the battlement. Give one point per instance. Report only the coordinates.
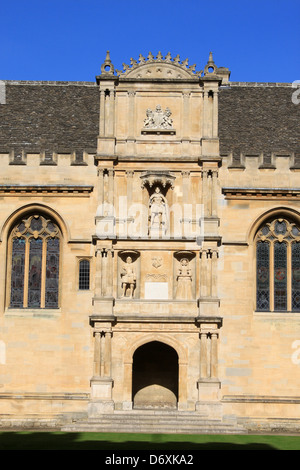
(261, 161)
(24, 157)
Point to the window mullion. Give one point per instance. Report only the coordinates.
(289, 277)
(271, 272)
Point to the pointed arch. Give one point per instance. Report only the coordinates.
(28, 208)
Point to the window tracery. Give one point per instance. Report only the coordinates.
(278, 266)
(35, 251)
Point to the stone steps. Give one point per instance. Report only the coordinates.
(154, 422)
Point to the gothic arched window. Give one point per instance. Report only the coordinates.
(34, 267)
(278, 266)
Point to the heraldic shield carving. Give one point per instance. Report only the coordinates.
(158, 120)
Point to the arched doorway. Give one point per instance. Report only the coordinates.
(155, 376)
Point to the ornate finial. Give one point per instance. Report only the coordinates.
(107, 67)
(210, 67)
(185, 62)
(168, 57)
(176, 59)
(133, 62)
(150, 57)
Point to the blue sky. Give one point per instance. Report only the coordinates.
(68, 39)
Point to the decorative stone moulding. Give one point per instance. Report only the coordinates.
(166, 67)
(162, 68)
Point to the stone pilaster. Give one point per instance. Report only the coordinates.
(101, 382)
(209, 384)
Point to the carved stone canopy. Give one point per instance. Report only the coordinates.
(163, 178)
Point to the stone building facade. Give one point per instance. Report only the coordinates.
(150, 246)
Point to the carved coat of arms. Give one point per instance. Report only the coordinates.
(156, 261)
(158, 119)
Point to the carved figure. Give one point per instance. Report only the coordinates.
(158, 211)
(128, 278)
(167, 122)
(149, 121)
(184, 281)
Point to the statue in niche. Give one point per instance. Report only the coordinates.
(184, 281)
(128, 279)
(158, 211)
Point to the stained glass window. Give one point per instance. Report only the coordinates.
(84, 274)
(35, 272)
(17, 272)
(280, 276)
(52, 273)
(278, 260)
(296, 276)
(35, 263)
(262, 276)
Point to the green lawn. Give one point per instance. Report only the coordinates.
(121, 442)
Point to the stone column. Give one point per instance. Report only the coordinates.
(203, 355)
(214, 273)
(111, 175)
(214, 197)
(102, 114)
(205, 192)
(97, 347)
(215, 114)
(204, 273)
(101, 382)
(131, 123)
(100, 191)
(205, 115)
(208, 384)
(214, 356)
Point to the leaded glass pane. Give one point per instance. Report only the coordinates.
(84, 275)
(35, 273)
(280, 276)
(280, 227)
(296, 276)
(52, 273)
(262, 276)
(17, 273)
(36, 224)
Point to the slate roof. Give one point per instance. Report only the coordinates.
(255, 118)
(64, 117)
(51, 116)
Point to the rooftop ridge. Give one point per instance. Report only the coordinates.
(48, 82)
(93, 84)
(259, 84)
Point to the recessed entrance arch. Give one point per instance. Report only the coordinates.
(155, 376)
